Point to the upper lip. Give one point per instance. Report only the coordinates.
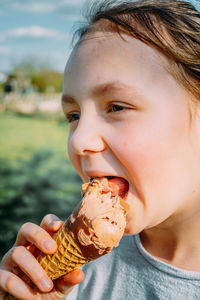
(92, 174)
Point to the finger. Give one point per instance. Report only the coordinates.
(51, 223)
(21, 257)
(66, 282)
(36, 235)
(15, 286)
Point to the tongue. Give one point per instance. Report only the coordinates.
(118, 186)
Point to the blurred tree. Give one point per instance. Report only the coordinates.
(31, 74)
(47, 81)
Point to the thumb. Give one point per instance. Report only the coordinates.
(66, 282)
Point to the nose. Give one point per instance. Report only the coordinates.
(86, 137)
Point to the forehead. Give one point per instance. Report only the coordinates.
(106, 57)
(100, 44)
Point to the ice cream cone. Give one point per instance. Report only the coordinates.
(96, 226)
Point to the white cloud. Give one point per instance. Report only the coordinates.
(33, 32)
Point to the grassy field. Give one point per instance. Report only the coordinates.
(21, 136)
(36, 177)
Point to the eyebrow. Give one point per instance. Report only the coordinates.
(68, 99)
(109, 87)
(101, 90)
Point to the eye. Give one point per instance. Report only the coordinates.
(117, 107)
(72, 116)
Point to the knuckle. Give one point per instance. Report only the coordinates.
(54, 218)
(40, 234)
(25, 226)
(48, 221)
(10, 283)
(48, 217)
(16, 251)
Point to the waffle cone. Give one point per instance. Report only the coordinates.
(67, 257)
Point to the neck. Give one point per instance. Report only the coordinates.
(175, 242)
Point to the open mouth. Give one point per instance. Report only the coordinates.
(119, 186)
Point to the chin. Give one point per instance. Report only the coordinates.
(130, 231)
(134, 227)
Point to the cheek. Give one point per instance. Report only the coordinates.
(143, 158)
(158, 170)
(154, 153)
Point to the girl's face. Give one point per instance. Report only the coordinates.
(130, 118)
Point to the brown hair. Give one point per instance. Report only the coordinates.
(171, 26)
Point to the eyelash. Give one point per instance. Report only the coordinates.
(111, 108)
(71, 117)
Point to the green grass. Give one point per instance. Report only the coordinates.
(20, 137)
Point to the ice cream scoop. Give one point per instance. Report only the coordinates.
(98, 222)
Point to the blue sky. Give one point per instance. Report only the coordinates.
(38, 31)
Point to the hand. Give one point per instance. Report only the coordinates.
(21, 258)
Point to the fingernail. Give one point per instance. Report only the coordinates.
(57, 225)
(49, 244)
(45, 283)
